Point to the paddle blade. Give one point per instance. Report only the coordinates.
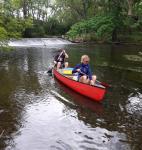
(103, 84)
(49, 71)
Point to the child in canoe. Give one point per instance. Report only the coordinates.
(84, 71)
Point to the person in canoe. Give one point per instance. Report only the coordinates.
(84, 71)
(59, 59)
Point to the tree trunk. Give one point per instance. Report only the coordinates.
(25, 9)
(130, 7)
(84, 8)
(114, 35)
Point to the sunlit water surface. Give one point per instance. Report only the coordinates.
(39, 113)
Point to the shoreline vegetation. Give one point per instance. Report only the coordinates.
(113, 21)
(125, 40)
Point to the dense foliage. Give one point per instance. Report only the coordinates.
(116, 20)
(103, 20)
(101, 26)
(30, 18)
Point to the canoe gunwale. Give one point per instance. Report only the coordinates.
(94, 92)
(96, 85)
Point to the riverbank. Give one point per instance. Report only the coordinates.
(134, 39)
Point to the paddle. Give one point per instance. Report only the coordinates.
(102, 83)
(50, 69)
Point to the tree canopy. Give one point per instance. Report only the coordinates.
(104, 20)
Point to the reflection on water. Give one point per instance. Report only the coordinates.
(133, 57)
(38, 112)
(80, 100)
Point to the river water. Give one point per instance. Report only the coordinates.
(39, 113)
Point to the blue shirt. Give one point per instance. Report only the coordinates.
(85, 70)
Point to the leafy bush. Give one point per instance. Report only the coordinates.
(101, 25)
(3, 34)
(3, 37)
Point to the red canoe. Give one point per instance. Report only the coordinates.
(96, 92)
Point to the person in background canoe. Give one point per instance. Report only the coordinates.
(59, 59)
(84, 71)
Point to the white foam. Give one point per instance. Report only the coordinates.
(30, 42)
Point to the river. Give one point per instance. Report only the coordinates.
(39, 113)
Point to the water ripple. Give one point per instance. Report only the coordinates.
(134, 105)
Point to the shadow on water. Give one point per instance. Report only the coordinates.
(80, 100)
(97, 116)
